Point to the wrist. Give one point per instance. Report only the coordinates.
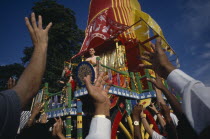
(136, 118)
(40, 47)
(157, 113)
(169, 68)
(32, 116)
(102, 110)
(60, 135)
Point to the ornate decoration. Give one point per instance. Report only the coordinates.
(84, 69)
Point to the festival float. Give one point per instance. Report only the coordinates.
(120, 32)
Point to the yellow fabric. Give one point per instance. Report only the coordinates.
(145, 102)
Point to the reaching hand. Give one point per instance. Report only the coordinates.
(39, 35)
(157, 82)
(137, 111)
(58, 127)
(165, 110)
(99, 94)
(158, 59)
(36, 109)
(152, 106)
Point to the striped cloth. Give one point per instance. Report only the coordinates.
(23, 119)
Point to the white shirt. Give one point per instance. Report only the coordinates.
(100, 128)
(155, 135)
(196, 98)
(174, 119)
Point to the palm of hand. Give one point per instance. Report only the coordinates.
(37, 108)
(99, 94)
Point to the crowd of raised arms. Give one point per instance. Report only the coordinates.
(189, 120)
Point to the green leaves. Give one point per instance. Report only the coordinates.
(65, 38)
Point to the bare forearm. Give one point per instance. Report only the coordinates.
(159, 96)
(137, 133)
(146, 126)
(161, 120)
(30, 80)
(61, 136)
(31, 120)
(173, 102)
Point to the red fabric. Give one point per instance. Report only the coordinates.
(73, 85)
(67, 74)
(152, 121)
(115, 124)
(102, 25)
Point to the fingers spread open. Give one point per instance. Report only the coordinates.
(158, 45)
(88, 82)
(146, 53)
(48, 26)
(153, 47)
(146, 59)
(33, 20)
(109, 84)
(152, 81)
(99, 79)
(28, 25)
(145, 66)
(40, 22)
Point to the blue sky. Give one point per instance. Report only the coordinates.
(185, 24)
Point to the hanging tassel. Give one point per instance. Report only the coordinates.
(110, 74)
(177, 63)
(118, 79)
(171, 53)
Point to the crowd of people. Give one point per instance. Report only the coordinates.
(189, 120)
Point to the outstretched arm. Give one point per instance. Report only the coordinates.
(146, 124)
(160, 118)
(136, 118)
(169, 127)
(170, 97)
(30, 80)
(100, 125)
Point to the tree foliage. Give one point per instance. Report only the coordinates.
(7, 71)
(65, 38)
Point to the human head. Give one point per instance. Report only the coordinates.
(91, 52)
(66, 68)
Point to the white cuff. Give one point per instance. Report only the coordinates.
(177, 79)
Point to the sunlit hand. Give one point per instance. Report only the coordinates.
(58, 127)
(36, 109)
(152, 107)
(38, 35)
(160, 63)
(99, 93)
(157, 82)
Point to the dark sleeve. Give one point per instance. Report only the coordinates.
(185, 130)
(10, 110)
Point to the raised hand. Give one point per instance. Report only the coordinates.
(165, 110)
(137, 111)
(157, 82)
(38, 35)
(99, 93)
(152, 106)
(36, 109)
(160, 63)
(57, 128)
